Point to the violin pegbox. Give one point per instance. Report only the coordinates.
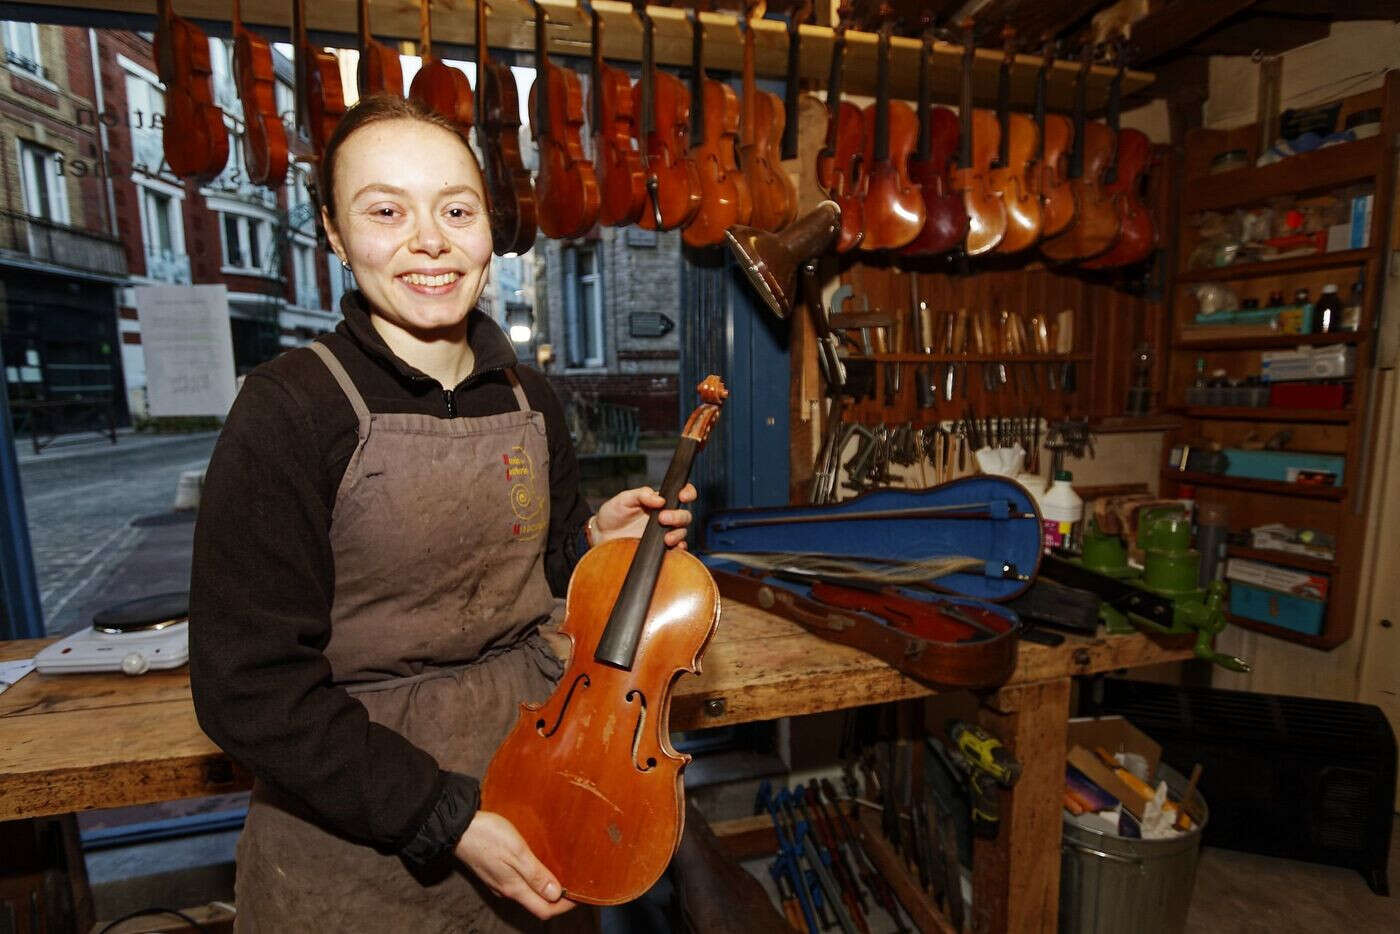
(712, 394)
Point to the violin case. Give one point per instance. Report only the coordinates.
(989, 518)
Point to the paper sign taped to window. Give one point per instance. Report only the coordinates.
(189, 349)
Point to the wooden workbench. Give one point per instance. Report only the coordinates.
(78, 742)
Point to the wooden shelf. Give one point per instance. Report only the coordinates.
(1278, 267)
(1125, 424)
(1272, 487)
(1265, 413)
(1285, 558)
(969, 358)
(1274, 342)
(511, 27)
(1332, 167)
(1324, 641)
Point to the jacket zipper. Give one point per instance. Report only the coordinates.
(451, 403)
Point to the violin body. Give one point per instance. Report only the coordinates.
(1096, 227)
(445, 90)
(565, 185)
(946, 222)
(379, 71)
(774, 194)
(1057, 200)
(1136, 237)
(725, 198)
(678, 188)
(265, 138)
(841, 173)
(621, 180)
(513, 215)
(1015, 181)
(325, 99)
(986, 210)
(893, 206)
(571, 762)
(193, 133)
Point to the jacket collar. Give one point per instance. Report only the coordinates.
(490, 345)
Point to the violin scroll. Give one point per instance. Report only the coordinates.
(712, 393)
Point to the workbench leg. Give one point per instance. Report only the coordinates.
(1016, 876)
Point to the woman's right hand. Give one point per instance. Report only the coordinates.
(494, 850)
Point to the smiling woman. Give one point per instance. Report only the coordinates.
(387, 526)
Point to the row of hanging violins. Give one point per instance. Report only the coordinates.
(918, 181)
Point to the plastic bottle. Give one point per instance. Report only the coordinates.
(1327, 313)
(1351, 315)
(1063, 513)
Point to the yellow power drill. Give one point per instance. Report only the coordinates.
(989, 764)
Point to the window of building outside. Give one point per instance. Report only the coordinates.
(45, 195)
(22, 48)
(583, 307)
(304, 266)
(246, 242)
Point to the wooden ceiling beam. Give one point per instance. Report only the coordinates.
(1334, 10)
(1270, 35)
(1179, 23)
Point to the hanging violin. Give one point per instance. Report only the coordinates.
(979, 137)
(672, 180)
(621, 182)
(192, 133)
(1095, 227)
(379, 71)
(1058, 204)
(840, 163)
(893, 207)
(265, 154)
(714, 132)
(565, 186)
(1015, 174)
(760, 135)
(508, 185)
(945, 226)
(1136, 236)
(320, 79)
(589, 777)
(444, 89)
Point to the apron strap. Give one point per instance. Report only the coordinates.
(357, 401)
(517, 389)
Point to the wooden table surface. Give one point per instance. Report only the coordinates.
(77, 742)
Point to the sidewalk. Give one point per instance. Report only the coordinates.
(91, 444)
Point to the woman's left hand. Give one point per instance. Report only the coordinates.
(625, 515)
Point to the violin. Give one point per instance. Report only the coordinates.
(714, 132)
(840, 163)
(945, 226)
(193, 133)
(672, 179)
(508, 185)
(621, 182)
(443, 89)
(319, 71)
(1136, 236)
(893, 207)
(1015, 175)
(1095, 227)
(934, 620)
(265, 152)
(760, 134)
(566, 188)
(979, 138)
(1058, 204)
(379, 71)
(589, 778)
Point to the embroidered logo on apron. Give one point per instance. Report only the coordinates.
(525, 501)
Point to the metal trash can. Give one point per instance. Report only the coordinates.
(1111, 884)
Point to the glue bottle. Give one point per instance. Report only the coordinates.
(1062, 511)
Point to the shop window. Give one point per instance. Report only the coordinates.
(45, 195)
(162, 230)
(304, 263)
(246, 241)
(22, 49)
(583, 307)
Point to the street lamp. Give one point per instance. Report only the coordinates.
(520, 321)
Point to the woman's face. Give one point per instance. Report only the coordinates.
(412, 223)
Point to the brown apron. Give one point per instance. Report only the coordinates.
(438, 534)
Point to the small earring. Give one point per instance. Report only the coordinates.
(344, 264)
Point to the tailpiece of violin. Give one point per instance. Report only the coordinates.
(589, 778)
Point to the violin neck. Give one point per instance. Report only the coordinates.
(965, 103)
(925, 124)
(882, 98)
(697, 80)
(618, 644)
(483, 55)
(1081, 104)
(1115, 96)
(361, 19)
(425, 30)
(1004, 113)
(833, 87)
(1041, 80)
(648, 86)
(595, 80)
(746, 130)
(789, 145)
(541, 74)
